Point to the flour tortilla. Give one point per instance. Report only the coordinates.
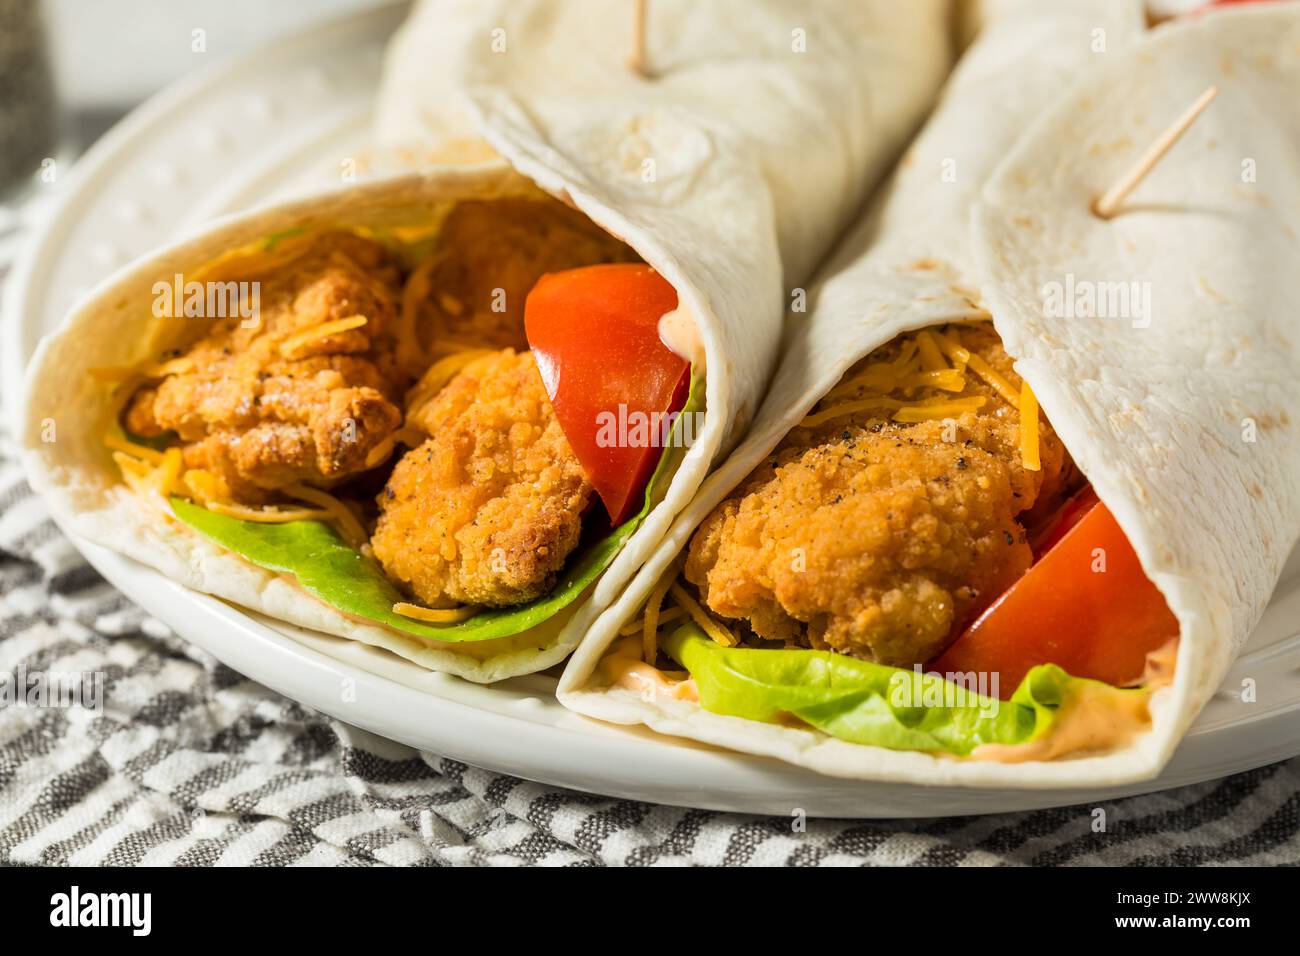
(715, 221)
(791, 111)
(1154, 416)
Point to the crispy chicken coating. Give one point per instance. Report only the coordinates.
(266, 406)
(878, 539)
(489, 507)
(490, 254)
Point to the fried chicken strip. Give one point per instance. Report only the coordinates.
(877, 539)
(489, 507)
(265, 406)
(490, 253)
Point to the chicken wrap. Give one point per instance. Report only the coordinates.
(447, 413)
(1026, 475)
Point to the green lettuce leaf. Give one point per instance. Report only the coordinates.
(275, 238)
(865, 703)
(341, 576)
(156, 442)
(329, 569)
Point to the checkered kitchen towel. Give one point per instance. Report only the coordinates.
(190, 763)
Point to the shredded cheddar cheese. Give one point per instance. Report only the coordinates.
(637, 626)
(150, 473)
(650, 626)
(267, 515)
(931, 357)
(410, 353)
(295, 342)
(718, 632)
(947, 380)
(176, 366)
(884, 377)
(168, 474)
(880, 377)
(1029, 437)
(849, 408)
(992, 376)
(118, 374)
(907, 356)
(433, 615)
(922, 363)
(410, 235)
(439, 375)
(203, 486)
(112, 374)
(254, 258)
(342, 515)
(131, 467)
(120, 443)
(450, 304)
(410, 437)
(938, 408)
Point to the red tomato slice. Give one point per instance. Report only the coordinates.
(1067, 516)
(1223, 3)
(1066, 611)
(595, 333)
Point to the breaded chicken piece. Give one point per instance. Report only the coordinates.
(489, 255)
(261, 407)
(486, 510)
(874, 538)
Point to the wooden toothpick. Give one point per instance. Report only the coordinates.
(638, 59)
(1106, 206)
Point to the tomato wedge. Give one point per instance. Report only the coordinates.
(1197, 11)
(1067, 516)
(1064, 610)
(595, 333)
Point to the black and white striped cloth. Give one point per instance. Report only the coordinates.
(189, 763)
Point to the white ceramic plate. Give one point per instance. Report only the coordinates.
(285, 119)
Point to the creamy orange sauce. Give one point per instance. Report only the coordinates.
(1094, 719)
(1160, 665)
(623, 667)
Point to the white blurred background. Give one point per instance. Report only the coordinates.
(70, 69)
(110, 52)
(108, 55)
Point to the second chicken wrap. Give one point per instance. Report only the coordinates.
(1026, 476)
